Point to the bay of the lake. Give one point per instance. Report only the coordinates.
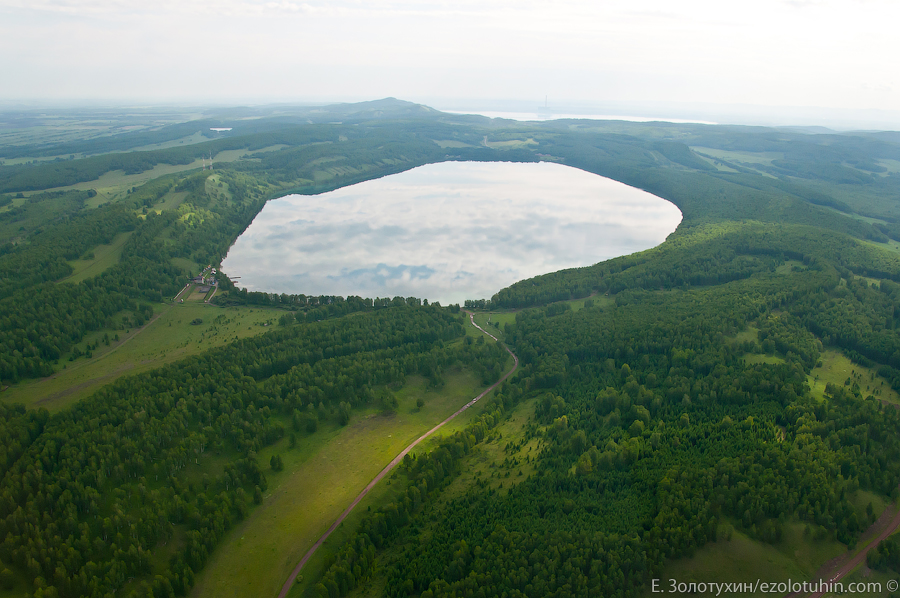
(446, 232)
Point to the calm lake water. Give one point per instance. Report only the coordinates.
(446, 232)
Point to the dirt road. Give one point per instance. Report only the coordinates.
(290, 581)
(858, 558)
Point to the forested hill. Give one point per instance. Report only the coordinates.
(672, 398)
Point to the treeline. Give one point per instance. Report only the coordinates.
(657, 437)
(657, 431)
(45, 254)
(425, 476)
(88, 494)
(704, 194)
(47, 175)
(41, 320)
(313, 308)
(39, 210)
(304, 146)
(710, 255)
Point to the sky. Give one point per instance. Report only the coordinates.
(836, 55)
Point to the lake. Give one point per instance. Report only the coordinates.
(528, 116)
(446, 232)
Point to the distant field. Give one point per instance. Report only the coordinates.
(189, 140)
(741, 158)
(509, 144)
(716, 163)
(891, 165)
(170, 201)
(115, 184)
(104, 257)
(321, 477)
(54, 130)
(168, 338)
(451, 143)
(82, 125)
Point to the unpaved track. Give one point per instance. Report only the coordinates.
(850, 565)
(290, 580)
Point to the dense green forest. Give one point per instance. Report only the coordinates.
(673, 407)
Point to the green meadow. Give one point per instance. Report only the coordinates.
(741, 559)
(322, 475)
(168, 337)
(835, 368)
(103, 257)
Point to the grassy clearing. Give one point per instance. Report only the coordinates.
(321, 477)
(189, 140)
(494, 322)
(741, 158)
(491, 465)
(790, 266)
(873, 282)
(797, 557)
(750, 334)
(510, 144)
(891, 246)
(443, 143)
(189, 265)
(753, 358)
(715, 163)
(861, 500)
(168, 338)
(891, 165)
(114, 185)
(602, 301)
(197, 295)
(170, 201)
(105, 256)
(836, 369)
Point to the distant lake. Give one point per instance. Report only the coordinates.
(446, 232)
(545, 115)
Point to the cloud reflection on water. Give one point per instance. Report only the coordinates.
(446, 232)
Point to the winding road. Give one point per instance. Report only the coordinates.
(293, 577)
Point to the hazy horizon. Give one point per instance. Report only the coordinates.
(778, 62)
(725, 114)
